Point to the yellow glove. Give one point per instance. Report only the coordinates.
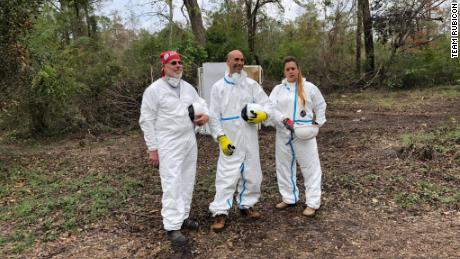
(226, 145)
(258, 117)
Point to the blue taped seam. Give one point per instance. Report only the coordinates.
(292, 168)
(244, 182)
(306, 121)
(229, 118)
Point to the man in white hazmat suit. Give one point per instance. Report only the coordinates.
(169, 132)
(297, 105)
(238, 166)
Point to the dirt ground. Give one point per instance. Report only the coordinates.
(368, 178)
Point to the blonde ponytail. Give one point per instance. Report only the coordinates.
(300, 91)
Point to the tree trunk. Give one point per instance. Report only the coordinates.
(359, 32)
(252, 39)
(252, 10)
(88, 20)
(194, 13)
(77, 27)
(66, 37)
(368, 39)
(251, 18)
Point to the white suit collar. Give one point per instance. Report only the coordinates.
(241, 78)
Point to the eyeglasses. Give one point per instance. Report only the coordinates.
(176, 62)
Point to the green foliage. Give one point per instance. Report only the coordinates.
(443, 139)
(48, 204)
(96, 64)
(320, 55)
(225, 33)
(424, 67)
(193, 55)
(142, 55)
(429, 193)
(49, 99)
(54, 84)
(68, 78)
(16, 19)
(98, 70)
(45, 104)
(301, 39)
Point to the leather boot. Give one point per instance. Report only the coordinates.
(309, 212)
(282, 205)
(219, 223)
(190, 224)
(176, 238)
(250, 213)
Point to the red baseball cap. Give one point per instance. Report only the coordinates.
(169, 55)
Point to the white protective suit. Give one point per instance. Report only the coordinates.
(168, 128)
(284, 103)
(241, 170)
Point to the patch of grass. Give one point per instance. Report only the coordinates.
(51, 203)
(407, 200)
(396, 179)
(427, 192)
(442, 140)
(386, 102)
(395, 99)
(434, 193)
(20, 241)
(375, 98)
(130, 186)
(451, 92)
(372, 177)
(457, 159)
(346, 181)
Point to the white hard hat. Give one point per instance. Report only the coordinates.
(250, 109)
(194, 109)
(306, 131)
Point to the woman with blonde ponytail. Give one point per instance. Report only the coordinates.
(298, 109)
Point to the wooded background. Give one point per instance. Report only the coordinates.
(66, 69)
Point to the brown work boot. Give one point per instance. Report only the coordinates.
(250, 213)
(309, 212)
(282, 205)
(219, 223)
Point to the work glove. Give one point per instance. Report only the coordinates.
(254, 116)
(257, 117)
(289, 124)
(226, 145)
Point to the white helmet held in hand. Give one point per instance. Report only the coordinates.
(250, 110)
(194, 109)
(306, 131)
